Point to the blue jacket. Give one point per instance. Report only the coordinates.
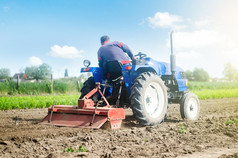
(114, 51)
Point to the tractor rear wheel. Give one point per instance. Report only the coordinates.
(190, 106)
(88, 85)
(149, 99)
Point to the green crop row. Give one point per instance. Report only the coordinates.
(216, 94)
(214, 90)
(212, 85)
(22, 102)
(204, 90)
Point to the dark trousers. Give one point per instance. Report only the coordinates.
(112, 69)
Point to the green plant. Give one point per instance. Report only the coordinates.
(81, 149)
(229, 122)
(182, 128)
(68, 150)
(236, 121)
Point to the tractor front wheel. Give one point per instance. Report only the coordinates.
(190, 106)
(149, 99)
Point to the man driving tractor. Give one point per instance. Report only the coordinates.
(111, 57)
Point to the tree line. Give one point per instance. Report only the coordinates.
(44, 71)
(40, 72)
(230, 73)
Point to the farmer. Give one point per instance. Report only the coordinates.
(111, 57)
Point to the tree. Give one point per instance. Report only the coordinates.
(66, 73)
(31, 72)
(200, 74)
(4, 73)
(189, 75)
(42, 72)
(229, 72)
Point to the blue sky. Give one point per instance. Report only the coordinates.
(62, 33)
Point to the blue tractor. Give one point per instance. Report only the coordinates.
(147, 86)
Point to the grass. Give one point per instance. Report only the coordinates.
(60, 86)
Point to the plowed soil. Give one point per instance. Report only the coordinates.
(22, 136)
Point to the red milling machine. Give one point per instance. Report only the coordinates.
(86, 114)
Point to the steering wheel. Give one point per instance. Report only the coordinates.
(141, 55)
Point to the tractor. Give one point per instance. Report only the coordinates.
(150, 87)
(146, 86)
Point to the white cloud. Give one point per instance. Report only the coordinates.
(68, 52)
(188, 55)
(188, 59)
(208, 42)
(202, 23)
(35, 61)
(230, 55)
(165, 20)
(208, 49)
(197, 39)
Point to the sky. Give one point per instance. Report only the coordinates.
(63, 33)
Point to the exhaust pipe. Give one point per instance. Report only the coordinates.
(172, 56)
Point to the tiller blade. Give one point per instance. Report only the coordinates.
(85, 115)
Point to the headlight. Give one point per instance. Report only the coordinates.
(86, 63)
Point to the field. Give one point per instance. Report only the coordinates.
(213, 135)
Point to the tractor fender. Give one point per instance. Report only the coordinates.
(136, 70)
(148, 68)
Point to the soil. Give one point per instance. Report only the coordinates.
(22, 136)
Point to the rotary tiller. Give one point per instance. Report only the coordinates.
(86, 114)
